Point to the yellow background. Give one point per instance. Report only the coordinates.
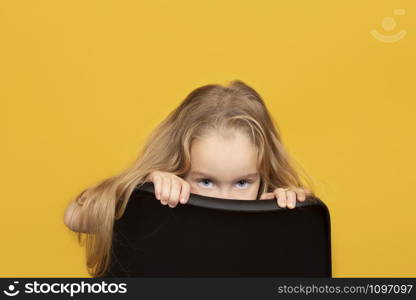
(84, 82)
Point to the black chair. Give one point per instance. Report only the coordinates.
(220, 238)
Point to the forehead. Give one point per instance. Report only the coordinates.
(224, 157)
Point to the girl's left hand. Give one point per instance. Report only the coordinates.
(287, 197)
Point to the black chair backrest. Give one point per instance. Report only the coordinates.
(220, 237)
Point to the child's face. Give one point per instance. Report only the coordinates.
(224, 164)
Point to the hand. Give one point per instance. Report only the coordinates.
(169, 188)
(287, 197)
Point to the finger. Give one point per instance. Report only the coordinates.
(307, 191)
(157, 182)
(175, 190)
(281, 197)
(185, 192)
(165, 194)
(301, 194)
(291, 199)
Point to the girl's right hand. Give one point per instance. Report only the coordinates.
(169, 188)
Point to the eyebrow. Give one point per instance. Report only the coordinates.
(252, 175)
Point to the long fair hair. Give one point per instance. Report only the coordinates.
(224, 109)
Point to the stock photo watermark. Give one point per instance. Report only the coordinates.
(389, 24)
(71, 289)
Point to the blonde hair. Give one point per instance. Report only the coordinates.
(209, 108)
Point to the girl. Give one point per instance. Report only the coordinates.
(219, 142)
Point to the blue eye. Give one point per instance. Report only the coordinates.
(205, 180)
(206, 183)
(245, 181)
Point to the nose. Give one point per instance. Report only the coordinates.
(225, 194)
